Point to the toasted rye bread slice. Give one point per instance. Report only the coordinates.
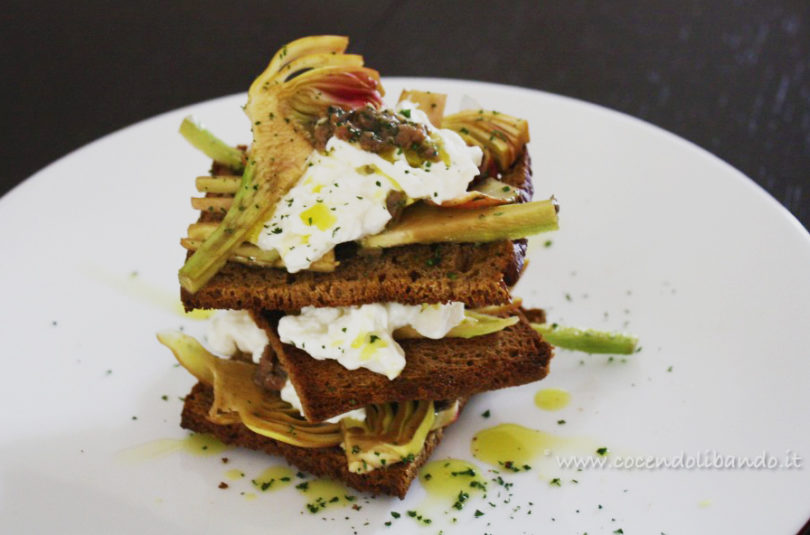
(449, 368)
(331, 462)
(475, 274)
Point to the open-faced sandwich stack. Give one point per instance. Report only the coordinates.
(361, 257)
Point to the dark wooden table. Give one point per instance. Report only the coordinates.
(732, 76)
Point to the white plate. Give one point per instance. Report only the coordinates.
(658, 237)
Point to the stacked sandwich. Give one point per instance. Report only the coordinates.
(361, 259)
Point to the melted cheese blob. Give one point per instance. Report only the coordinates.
(362, 336)
(230, 331)
(342, 195)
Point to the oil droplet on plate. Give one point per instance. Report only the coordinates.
(202, 444)
(446, 479)
(135, 287)
(274, 478)
(552, 399)
(196, 444)
(515, 445)
(234, 474)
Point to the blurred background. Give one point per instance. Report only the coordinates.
(730, 76)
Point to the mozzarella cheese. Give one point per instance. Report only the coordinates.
(230, 331)
(362, 336)
(342, 195)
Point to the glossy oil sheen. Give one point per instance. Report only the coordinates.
(552, 399)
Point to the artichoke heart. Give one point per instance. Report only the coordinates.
(499, 135)
(392, 432)
(237, 399)
(302, 80)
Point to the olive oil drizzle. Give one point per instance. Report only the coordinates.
(273, 479)
(195, 444)
(447, 479)
(552, 399)
(325, 493)
(513, 447)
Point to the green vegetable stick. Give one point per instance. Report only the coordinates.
(211, 145)
(424, 224)
(587, 340)
(229, 234)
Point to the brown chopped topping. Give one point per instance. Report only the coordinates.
(378, 131)
(223, 485)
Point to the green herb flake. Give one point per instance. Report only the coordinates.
(468, 472)
(434, 260)
(462, 497)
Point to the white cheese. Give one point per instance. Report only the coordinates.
(342, 195)
(289, 395)
(362, 336)
(230, 331)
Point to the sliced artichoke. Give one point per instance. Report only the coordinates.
(302, 80)
(499, 135)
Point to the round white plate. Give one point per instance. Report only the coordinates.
(657, 237)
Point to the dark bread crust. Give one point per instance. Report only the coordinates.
(449, 368)
(534, 315)
(475, 274)
(393, 480)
